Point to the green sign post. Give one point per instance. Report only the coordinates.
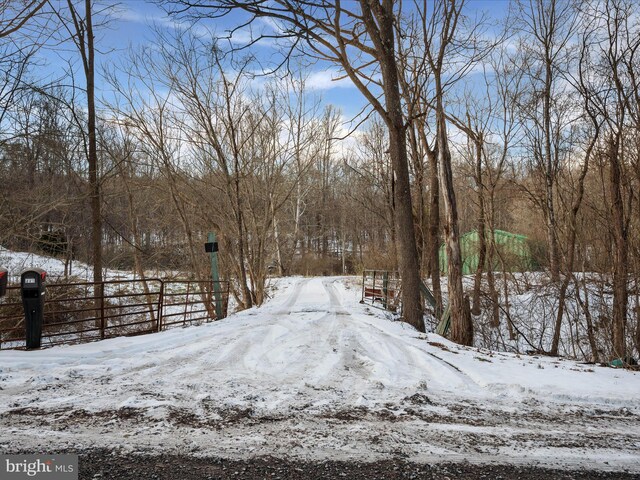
(212, 248)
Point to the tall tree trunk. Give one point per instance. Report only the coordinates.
(493, 291)
(429, 217)
(550, 174)
(246, 293)
(94, 184)
(637, 313)
(621, 249)
(434, 228)
(276, 238)
(552, 238)
(297, 244)
(491, 255)
(405, 230)
(407, 253)
(481, 228)
(421, 212)
(461, 326)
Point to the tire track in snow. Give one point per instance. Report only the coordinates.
(280, 349)
(395, 347)
(334, 302)
(350, 361)
(403, 344)
(333, 365)
(285, 309)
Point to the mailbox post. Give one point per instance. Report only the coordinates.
(212, 248)
(4, 276)
(32, 286)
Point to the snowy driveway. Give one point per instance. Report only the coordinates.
(314, 374)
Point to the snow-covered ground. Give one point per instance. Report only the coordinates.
(17, 262)
(530, 308)
(314, 374)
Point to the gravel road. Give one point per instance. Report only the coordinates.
(105, 465)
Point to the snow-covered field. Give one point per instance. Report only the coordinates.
(314, 374)
(17, 262)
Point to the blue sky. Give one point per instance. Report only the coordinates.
(131, 24)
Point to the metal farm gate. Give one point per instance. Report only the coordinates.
(86, 311)
(382, 289)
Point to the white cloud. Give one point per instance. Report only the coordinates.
(326, 80)
(125, 14)
(160, 19)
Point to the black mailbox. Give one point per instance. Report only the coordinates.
(32, 286)
(4, 276)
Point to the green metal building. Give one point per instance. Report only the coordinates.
(511, 248)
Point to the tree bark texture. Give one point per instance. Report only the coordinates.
(94, 183)
(621, 250)
(481, 228)
(461, 326)
(408, 260)
(434, 229)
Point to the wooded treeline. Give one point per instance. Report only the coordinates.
(528, 123)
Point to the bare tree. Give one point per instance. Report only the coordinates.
(616, 103)
(301, 137)
(417, 95)
(150, 115)
(80, 29)
(548, 26)
(362, 42)
(13, 67)
(440, 33)
(16, 14)
(372, 192)
(76, 25)
(577, 186)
